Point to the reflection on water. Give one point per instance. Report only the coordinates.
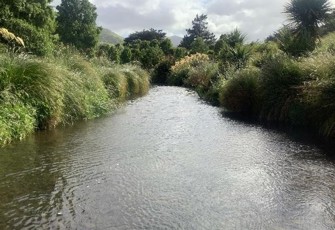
(166, 161)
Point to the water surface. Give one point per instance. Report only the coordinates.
(166, 161)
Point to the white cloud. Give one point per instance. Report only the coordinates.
(256, 18)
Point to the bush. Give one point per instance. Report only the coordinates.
(202, 76)
(37, 41)
(180, 70)
(241, 92)
(126, 82)
(163, 71)
(16, 119)
(151, 56)
(263, 52)
(279, 85)
(37, 84)
(318, 92)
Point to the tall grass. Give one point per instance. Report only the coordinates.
(44, 93)
(279, 86)
(285, 90)
(126, 82)
(241, 92)
(318, 92)
(180, 70)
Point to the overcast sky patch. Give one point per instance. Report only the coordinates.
(256, 18)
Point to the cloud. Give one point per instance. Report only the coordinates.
(256, 18)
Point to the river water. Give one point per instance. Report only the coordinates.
(166, 161)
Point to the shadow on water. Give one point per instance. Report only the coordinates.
(302, 135)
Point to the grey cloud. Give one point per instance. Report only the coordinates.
(223, 8)
(257, 18)
(121, 18)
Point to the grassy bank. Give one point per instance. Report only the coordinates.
(42, 93)
(284, 90)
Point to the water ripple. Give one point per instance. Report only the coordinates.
(166, 161)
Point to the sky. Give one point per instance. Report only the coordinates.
(255, 18)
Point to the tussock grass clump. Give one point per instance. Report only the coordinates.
(196, 71)
(34, 83)
(126, 82)
(279, 87)
(285, 90)
(16, 119)
(115, 83)
(241, 92)
(180, 70)
(85, 97)
(202, 75)
(326, 44)
(318, 92)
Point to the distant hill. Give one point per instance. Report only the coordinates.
(107, 36)
(176, 40)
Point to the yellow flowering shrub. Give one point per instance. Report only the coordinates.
(190, 61)
(180, 70)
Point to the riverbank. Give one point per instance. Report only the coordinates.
(43, 93)
(272, 86)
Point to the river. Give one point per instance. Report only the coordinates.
(166, 161)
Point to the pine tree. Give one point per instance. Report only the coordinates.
(199, 30)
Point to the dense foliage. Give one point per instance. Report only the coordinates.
(145, 35)
(44, 93)
(33, 21)
(76, 21)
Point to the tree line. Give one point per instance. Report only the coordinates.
(73, 23)
(42, 27)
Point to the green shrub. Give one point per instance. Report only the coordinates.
(279, 85)
(241, 92)
(37, 41)
(263, 52)
(126, 82)
(116, 84)
(16, 119)
(318, 92)
(163, 71)
(36, 83)
(202, 76)
(180, 70)
(151, 56)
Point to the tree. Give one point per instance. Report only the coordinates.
(114, 54)
(126, 55)
(199, 46)
(151, 56)
(199, 29)
(33, 21)
(77, 24)
(38, 13)
(145, 35)
(166, 46)
(233, 38)
(306, 16)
